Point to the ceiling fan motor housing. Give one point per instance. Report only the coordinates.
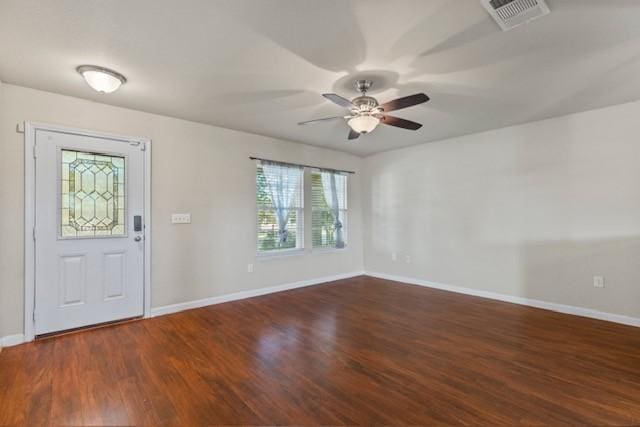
(364, 103)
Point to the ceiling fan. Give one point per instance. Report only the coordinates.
(367, 113)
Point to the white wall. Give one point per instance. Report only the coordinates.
(197, 168)
(531, 211)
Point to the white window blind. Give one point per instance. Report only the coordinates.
(280, 201)
(329, 209)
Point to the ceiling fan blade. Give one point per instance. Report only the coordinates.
(320, 120)
(407, 101)
(400, 123)
(353, 134)
(337, 99)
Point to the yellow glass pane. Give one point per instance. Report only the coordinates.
(65, 217)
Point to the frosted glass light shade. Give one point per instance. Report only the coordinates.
(364, 123)
(101, 79)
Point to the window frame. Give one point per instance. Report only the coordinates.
(300, 222)
(344, 211)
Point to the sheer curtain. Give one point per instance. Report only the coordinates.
(332, 184)
(282, 182)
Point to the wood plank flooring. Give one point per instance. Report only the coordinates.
(356, 351)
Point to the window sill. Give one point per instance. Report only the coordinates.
(329, 250)
(285, 253)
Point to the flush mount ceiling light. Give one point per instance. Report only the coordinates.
(101, 79)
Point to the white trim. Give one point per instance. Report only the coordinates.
(279, 253)
(29, 230)
(147, 227)
(30, 212)
(174, 308)
(561, 308)
(321, 251)
(84, 132)
(11, 340)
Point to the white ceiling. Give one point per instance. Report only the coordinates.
(260, 66)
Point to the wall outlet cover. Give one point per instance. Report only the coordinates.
(598, 281)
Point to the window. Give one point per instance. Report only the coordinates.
(92, 195)
(329, 209)
(280, 207)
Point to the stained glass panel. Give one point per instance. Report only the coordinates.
(92, 195)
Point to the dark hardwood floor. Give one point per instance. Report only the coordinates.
(357, 351)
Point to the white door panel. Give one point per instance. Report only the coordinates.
(89, 259)
(114, 267)
(72, 279)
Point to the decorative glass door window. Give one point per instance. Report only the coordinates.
(93, 195)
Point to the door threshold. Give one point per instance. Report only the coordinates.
(56, 334)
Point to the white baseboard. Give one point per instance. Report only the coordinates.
(11, 340)
(174, 308)
(562, 308)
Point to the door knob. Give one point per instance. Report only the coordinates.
(137, 238)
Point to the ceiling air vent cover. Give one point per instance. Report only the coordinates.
(511, 13)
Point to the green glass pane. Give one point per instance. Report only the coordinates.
(88, 180)
(101, 182)
(101, 208)
(68, 156)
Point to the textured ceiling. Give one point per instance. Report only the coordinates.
(260, 66)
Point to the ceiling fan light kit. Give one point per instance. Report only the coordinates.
(367, 113)
(363, 123)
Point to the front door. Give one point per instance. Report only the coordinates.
(89, 232)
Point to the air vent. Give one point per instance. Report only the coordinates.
(511, 13)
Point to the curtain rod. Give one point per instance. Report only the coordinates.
(301, 165)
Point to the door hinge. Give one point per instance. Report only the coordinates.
(143, 146)
(34, 152)
(34, 234)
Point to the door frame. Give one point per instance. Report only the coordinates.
(30, 129)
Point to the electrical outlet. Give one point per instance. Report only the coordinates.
(249, 268)
(407, 259)
(394, 256)
(598, 282)
(181, 218)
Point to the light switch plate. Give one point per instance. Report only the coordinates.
(181, 218)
